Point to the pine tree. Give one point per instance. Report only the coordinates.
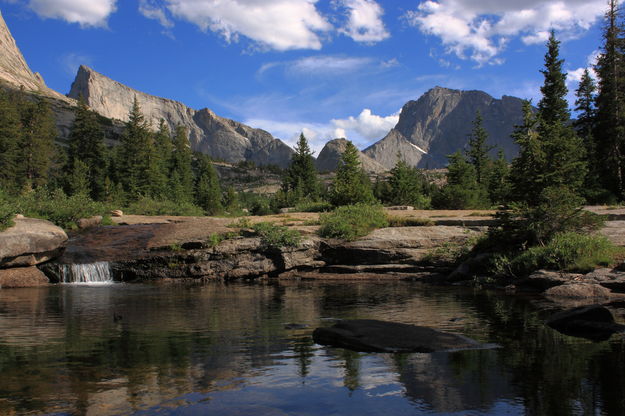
(526, 173)
(300, 179)
(478, 149)
(10, 128)
(610, 121)
(207, 189)
(132, 161)
(461, 190)
(79, 181)
(406, 185)
(498, 184)
(36, 144)
(351, 184)
(565, 165)
(181, 165)
(162, 160)
(86, 144)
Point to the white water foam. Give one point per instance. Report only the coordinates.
(89, 273)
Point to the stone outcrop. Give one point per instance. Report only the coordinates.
(29, 242)
(593, 322)
(370, 335)
(328, 158)
(216, 136)
(22, 277)
(438, 124)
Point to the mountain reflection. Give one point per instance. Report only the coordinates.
(216, 347)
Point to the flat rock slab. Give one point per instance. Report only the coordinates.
(369, 335)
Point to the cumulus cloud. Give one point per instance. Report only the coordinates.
(317, 134)
(575, 75)
(84, 12)
(364, 22)
(481, 29)
(274, 24)
(366, 125)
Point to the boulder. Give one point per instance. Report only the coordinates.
(544, 279)
(576, 290)
(369, 335)
(117, 213)
(593, 322)
(22, 277)
(89, 222)
(30, 241)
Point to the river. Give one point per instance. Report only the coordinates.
(246, 349)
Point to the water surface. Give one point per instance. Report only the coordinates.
(228, 349)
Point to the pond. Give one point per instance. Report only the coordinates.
(247, 349)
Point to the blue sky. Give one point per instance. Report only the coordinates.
(326, 67)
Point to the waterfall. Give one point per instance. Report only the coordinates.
(99, 272)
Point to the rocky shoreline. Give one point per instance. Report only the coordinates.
(171, 248)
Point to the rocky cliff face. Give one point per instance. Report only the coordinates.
(208, 133)
(439, 122)
(329, 157)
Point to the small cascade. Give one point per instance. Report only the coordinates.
(99, 272)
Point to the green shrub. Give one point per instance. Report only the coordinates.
(311, 206)
(409, 222)
(276, 236)
(242, 222)
(58, 208)
(352, 221)
(151, 206)
(569, 251)
(7, 213)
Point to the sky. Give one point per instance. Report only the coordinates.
(327, 68)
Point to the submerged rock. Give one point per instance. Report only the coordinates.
(592, 322)
(370, 335)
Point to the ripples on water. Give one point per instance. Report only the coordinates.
(228, 349)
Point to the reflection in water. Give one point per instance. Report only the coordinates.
(226, 348)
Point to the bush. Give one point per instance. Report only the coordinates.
(569, 251)
(58, 208)
(151, 206)
(409, 222)
(312, 206)
(7, 213)
(460, 197)
(352, 221)
(276, 236)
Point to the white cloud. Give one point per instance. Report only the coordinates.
(317, 134)
(274, 24)
(153, 10)
(575, 75)
(481, 29)
(84, 12)
(328, 64)
(364, 22)
(367, 125)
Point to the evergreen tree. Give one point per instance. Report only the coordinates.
(498, 185)
(526, 174)
(609, 130)
(36, 144)
(181, 172)
(300, 179)
(159, 165)
(478, 149)
(10, 128)
(563, 149)
(79, 180)
(133, 154)
(207, 189)
(351, 184)
(462, 190)
(86, 145)
(231, 200)
(406, 185)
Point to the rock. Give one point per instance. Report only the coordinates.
(330, 155)
(593, 322)
(400, 208)
(218, 137)
(575, 290)
(544, 279)
(89, 222)
(369, 335)
(117, 213)
(612, 279)
(22, 277)
(30, 241)
(438, 124)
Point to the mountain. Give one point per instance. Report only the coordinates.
(438, 124)
(330, 155)
(218, 137)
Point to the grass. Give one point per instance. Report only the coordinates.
(350, 222)
(276, 236)
(151, 206)
(409, 222)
